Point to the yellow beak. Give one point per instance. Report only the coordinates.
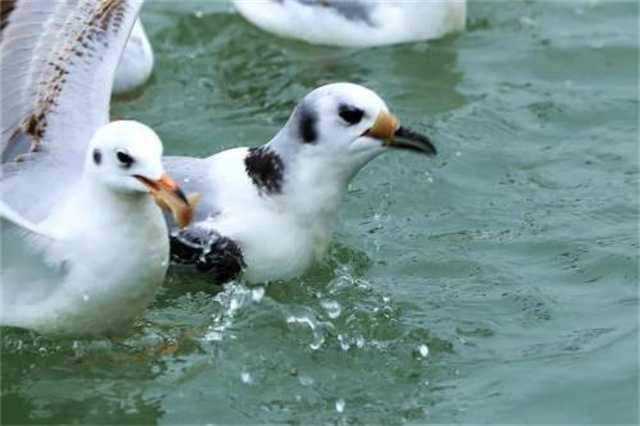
(169, 196)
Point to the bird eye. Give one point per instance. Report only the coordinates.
(124, 158)
(350, 114)
(97, 156)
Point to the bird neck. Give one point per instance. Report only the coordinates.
(113, 205)
(310, 186)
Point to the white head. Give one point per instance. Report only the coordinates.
(126, 157)
(331, 135)
(342, 127)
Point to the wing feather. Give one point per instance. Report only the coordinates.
(25, 252)
(58, 59)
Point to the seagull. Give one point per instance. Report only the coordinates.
(84, 247)
(356, 23)
(95, 262)
(268, 212)
(136, 63)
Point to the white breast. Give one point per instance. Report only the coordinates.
(104, 290)
(275, 243)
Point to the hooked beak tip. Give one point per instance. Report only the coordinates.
(387, 128)
(169, 196)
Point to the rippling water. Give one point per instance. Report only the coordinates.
(498, 283)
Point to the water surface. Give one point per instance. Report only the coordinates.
(497, 283)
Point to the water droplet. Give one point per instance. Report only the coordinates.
(85, 297)
(317, 343)
(332, 307)
(458, 153)
(257, 294)
(423, 350)
(306, 380)
(343, 343)
(198, 14)
(233, 306)
(246, 378)
(213, 336)
(340, 405)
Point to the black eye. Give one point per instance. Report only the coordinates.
(97, 156)
(124, 158)
(350, 114)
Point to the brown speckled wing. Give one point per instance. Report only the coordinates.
(58, 58)
(57, 63)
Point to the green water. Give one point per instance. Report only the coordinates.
(512, 258)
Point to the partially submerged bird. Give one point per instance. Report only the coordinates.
(356, 23)
(96, 260)
(84, 247)
(136, 63)
(267, 213)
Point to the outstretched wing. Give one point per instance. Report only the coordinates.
(57, 63)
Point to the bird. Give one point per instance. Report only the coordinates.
(84, 247)
(136, 63)
(95, 262)
(268, 212)
(355, 23)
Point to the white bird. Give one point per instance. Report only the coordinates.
(95, 262)
(268, 213)
(136, 63)
(356, 23)
(83, 245)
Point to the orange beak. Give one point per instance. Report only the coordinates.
(169, 196)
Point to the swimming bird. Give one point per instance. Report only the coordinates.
(356, 23)
(136, 63)
(268, 212)
(95, 262)
(84, 247)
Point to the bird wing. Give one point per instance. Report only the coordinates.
(25, 250)
(352, 10)
(58, 59)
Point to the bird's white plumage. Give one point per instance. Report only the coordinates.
(356, 23)
(56, 91)
(282, 233)
(95, 262)
(136, 64)
(84, 247)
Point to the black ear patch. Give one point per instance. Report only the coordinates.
(308, 122)
(97, 156)
(350, 114)
(266, 169)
